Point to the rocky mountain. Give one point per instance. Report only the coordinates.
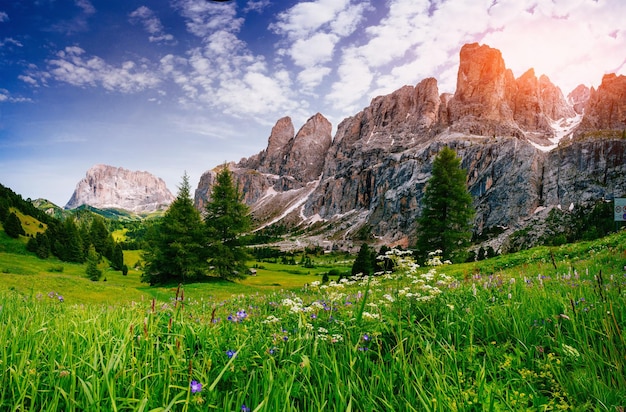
(526, 148)
(108, 187)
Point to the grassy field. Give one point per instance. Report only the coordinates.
(25, 274)
(535, 331)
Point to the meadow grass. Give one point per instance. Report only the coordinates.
(540, 330)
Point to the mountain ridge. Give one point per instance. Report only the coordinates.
(521, 141)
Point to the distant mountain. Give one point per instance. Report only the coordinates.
(527, 150)
(108, 187)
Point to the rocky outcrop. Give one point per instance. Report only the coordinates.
(511, 134)
(606, 107)
(489, 101)
(289, 163)
(578, 98)
(108, 187)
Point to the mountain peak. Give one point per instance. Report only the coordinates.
(110, 187)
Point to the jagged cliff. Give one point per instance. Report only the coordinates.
(526, 149)
(108, 187)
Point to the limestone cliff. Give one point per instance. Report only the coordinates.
(516, 139)
(108, 187)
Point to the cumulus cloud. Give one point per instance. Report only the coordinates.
(152, 24)
(312, 30)
(5, 96)
(72, 66)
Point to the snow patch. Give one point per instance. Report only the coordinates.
(562, 127)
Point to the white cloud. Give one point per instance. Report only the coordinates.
(5, 96)
(71, 66)
(86, 6)
(311, 77)
(10, 40)
(152, 24)
(258, 5)
(204, 18)
(306, 18)
(3, 17)
(313, 50)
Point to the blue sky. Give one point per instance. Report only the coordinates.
(169, 86)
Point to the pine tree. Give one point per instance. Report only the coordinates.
(92, 270)
(363, 263)
(446, 220)
(117, 258)
(98, 235)
(227, 217)
(13, 226)
(175, 248)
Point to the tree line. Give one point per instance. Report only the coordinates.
(83, 237)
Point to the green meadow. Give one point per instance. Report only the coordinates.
(540, 330)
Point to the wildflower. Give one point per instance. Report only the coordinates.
(242, 314)
(244, 408)
(230, 353)
(61, 299)
(195, 386)
(366, 337)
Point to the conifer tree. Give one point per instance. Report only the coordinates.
(226, 219)
(117, 257)
(363, 264)
(93, 258)
(13, 226)
(446, 220)
(175, 250)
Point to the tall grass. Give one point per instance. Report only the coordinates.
(417, 339)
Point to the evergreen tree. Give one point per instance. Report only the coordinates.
(175, 247)
(363, 263)
(73, 242)
(92, 270)
(39, 245)
(117, 257)
(446, 220)
(98, 235)
(227, 217)
(13, 226)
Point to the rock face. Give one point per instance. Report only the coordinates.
(108, 187)
(289, 163)
(514, 137)
(606, 107)
(489, 101)
(578, 98)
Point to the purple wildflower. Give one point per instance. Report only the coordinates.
(195, 386)
(244, 408)
(61, 299)
(230, 353)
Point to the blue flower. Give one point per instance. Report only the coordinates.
(195, 386)
(244, 408)
(230, 353)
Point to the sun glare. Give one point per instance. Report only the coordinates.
(551, 47)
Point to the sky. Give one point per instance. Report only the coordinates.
(182, 86)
